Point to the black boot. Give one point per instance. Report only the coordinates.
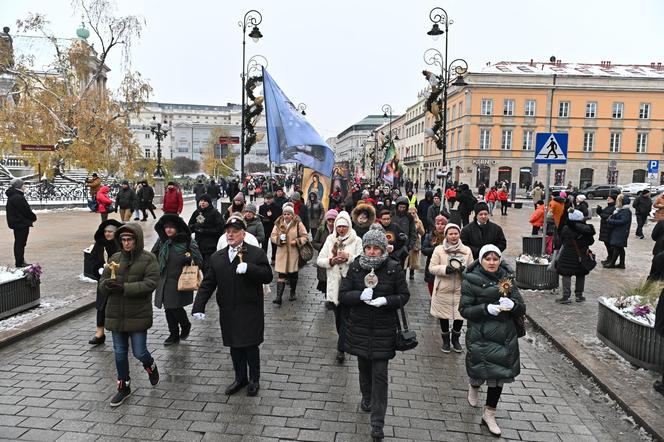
(412, 274)
(280, 292)
(293, 286)
(455, 341)
(446, 342)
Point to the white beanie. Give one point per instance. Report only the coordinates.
(342, 219)
(490, 248)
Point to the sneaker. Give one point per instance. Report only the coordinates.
(124, 390)
(135, 219)
(153, 374)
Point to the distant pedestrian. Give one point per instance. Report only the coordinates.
(491, 199)
(125, 201)
(537, 217)
(145, 196)
(173, 201)
(20, 218)
(104, 202)
(287, 235)
(415, 254)
(199, 190)
(604, 227)
(642, 206)
(502, 197)
(573, 241)
(621, 221)
(214, 191)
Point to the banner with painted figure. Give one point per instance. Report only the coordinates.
(313, 181)
(391, 170)
(291, 139)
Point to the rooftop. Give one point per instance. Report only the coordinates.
(369, 122)
(604, 69)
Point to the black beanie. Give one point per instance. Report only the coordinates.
(480, 206)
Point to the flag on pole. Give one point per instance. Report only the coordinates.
(391, 169)
(290, 138)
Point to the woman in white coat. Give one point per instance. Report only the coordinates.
(340, 249)
(448, 262)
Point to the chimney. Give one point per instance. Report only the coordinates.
(531, 61)
(608, 63)
(659, 65)
(652, 64)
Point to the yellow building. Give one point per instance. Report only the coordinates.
(614, 115)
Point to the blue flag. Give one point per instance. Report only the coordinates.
(290, 138)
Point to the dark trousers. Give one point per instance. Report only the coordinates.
(145, 213)
(243, 356)
(640, 222)
(609, 250)
(104, 216)
(101, 318)
(457, 324)
(535, 231)
(340, 313)
(493, 396)
(373, 385)
(176, 318)
(503, 207)
(20, 241)
(617, 252)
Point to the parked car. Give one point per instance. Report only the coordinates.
(634, 188)
(552, 189)
(599, 191)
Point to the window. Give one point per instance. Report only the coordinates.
(614, 142)
(641, 142)
(529, 110)
(563, 109)
(147, 136)
(485, 139)
(588, 141)
(487, 106)
(452, 139)
(147, 153)
(527, 140)
(508, 108)
(617, 110)
(458, 140)
(644, 111)
(591, 109)
(506, 142)
(454, 111)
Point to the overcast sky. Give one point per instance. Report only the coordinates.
(346, 58)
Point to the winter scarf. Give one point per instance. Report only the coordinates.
(451, 249)
(181, 246)
(372, 262)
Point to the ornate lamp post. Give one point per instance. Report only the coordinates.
(440, 84)
(252, 18)
(159, 133)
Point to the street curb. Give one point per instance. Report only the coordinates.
(47, 320)
(588, 365)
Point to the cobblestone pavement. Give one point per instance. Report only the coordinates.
(53, 386)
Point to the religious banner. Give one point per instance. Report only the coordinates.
(391, 169)
(317, 183)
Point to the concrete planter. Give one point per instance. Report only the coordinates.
(17, 296)
(532, 276)
(637, 343)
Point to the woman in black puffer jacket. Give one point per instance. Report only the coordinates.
(574, 239)
(372, 321)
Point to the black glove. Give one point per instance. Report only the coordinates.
(449, 270)
(599, 209)
(114, 287)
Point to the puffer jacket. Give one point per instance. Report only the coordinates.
(131, 311)
(126, 198)
(371, 331)
(19, 214)
(621, 221)
(568, 263)
(604, 226)
(491, 341)
(405, 222)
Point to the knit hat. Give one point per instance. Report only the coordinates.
(295, 196)
(563, 194)
(206, 197)
(580, 197)
(250, 208)
(16, 183)
(490, 248)
(343, 219)
(239, 197)
(480, 207)
(575, 215)
(288, 208)
(451, 226)
(375, 237)
(125, 182)
(402, 200)
(331, 214)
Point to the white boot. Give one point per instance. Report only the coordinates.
(473, 393)
(489, 418)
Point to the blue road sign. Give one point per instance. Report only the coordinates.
(551, 148)
(653, 166)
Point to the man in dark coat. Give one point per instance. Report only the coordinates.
(642, 206)
(397, 240)
(280, 199)
(145, 196)
(482, 231)
(405, 221)
(268, 212)
(604, 226)
(466, 203)
(214, 191)
(199, 190)
(19, 218)
(621, 221)
(207, 225)
(125, 201)
(238, 273)
(423, 210)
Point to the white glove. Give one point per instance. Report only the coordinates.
(101, 271)
(241, 268)
(378, 302)
(199, 316)
(506, 303)
(493, 309)
(282, 237)
(367, 294)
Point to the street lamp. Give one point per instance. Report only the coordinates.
(160, 134)
(252, 18)
(440, 84)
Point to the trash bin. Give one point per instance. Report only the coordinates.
(532, 276)
(532, 245)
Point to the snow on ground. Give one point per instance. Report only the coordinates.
(9, 274)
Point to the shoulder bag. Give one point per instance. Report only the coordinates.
(190, 279)
(587, 260)
(406, 338)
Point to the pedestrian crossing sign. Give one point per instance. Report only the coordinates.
(551, 148)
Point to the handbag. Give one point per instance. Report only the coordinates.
(406, 338)
(587, 260)
(306, 252)
(190, 279)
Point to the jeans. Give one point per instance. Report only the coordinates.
(578, 286)
(373, 386)
(243, 356)
(139, 347)
(491, 204)
(20, 241)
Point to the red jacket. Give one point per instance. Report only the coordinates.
(502, 196)
(172, 201)
(103, 200)
(297, 206)
(537, 218)
(450, 193)
(491, 196)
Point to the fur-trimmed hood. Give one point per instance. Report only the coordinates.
(369, 209)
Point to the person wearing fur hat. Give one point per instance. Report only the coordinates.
(489, 302)
(254, 226)
(324, 231)
(621, 221)
(207, 225)
(448, 262)
(573, 241)
(174, 249)
(372, 320)
(20, 218)
(482, 231)
(288, 233)
(363, 216)
(339, 250)
(104, 247)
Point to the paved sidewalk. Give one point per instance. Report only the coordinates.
(54, 386)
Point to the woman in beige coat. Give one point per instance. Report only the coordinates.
(288, 233)
(414, 256)
(658, 205)
(340, 249)
(448, 262)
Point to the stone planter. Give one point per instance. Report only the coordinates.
(532, 276)
(532, 245)
(17, 296)
(636, 342)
